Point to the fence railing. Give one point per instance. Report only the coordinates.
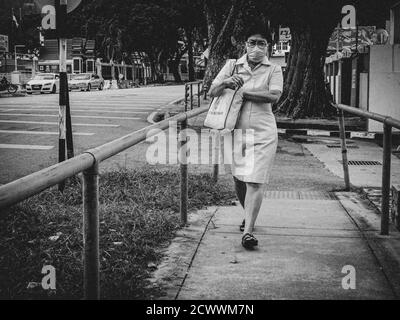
(388, 124)
(189, 94)
(189, 104)
(88, 164)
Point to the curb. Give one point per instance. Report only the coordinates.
(302, 132)
(336, 134)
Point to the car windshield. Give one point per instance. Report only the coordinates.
(81, 77)
(44, 77)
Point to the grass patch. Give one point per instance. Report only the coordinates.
(139, 215)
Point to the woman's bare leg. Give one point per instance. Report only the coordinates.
(240, 188)
(254, 199)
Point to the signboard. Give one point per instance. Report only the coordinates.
(4, 44)
(348, 38)
(395, 24)
(284, 34)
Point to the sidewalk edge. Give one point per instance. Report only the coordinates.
(178, 258)
(385, 249)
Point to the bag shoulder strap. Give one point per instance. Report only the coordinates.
(271, 73)
(234, 67)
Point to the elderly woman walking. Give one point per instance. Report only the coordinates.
(261, 84)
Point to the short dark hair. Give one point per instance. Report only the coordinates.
(260, 29)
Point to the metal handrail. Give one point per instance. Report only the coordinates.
(189, 93)
(388, 124)
(88, 163)
(24, 188)
(370, 115)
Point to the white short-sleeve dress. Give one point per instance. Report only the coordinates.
(255, 138)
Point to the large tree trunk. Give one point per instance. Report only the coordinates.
(220, 37)
(305, 93)
(155, 65)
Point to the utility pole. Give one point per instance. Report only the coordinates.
(65, 126)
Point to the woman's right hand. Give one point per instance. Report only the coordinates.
(234, 82)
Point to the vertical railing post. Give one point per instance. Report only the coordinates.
(344, 149)
(216, 154)
(186, 97)
(91, 233)
(215, 173)
(205, 91)
(182, 140)
(387, 153)
(198, 94)
(191, 96)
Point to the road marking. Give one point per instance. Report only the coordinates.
(25, 147)
(72, 108)
(56, 116)
(44, 133)
(97, 105)
(87, 102)
(88, 111)
(56, 124)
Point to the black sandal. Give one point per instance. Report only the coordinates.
(249, 241)
(242, 226)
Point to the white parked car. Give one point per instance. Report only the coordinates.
(44, 83)
(85, 82)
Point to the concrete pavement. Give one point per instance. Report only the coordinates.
(304, 246)
(306, 242)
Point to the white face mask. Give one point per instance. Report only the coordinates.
(256, 54)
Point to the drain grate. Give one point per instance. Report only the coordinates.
(363, 163)
(300, 195)
(338, 146)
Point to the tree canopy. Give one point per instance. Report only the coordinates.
(166, 29)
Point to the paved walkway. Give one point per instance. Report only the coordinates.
(304, 245)
(307, 237)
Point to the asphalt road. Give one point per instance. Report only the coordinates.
(29, 125)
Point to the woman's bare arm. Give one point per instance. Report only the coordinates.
(231, 83)
(216, 90)
(262, 96)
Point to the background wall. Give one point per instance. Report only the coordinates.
(384, 92)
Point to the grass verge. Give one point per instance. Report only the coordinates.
(139, 215)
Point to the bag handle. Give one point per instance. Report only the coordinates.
(270, 75)
(233, 72)
(234, 68)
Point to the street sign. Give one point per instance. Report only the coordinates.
(71, 4)
(284, 34)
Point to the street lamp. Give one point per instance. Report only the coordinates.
(15, 54)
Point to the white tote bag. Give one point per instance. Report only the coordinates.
(223, 109)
